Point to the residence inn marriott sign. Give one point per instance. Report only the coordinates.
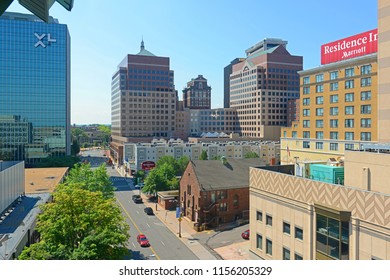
(357, 45)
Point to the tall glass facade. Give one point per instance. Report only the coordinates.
(34, 88)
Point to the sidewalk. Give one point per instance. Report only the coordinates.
(187, 232)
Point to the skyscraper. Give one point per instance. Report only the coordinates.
(34, 88)
(197, 94)
(261, 85)
(143, 100)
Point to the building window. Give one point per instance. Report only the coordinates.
(334, 123)
(306, 144)
(268, 220)
(319, 100)
(306, 123)
(365, 136)
(306, 80)
(365, 123)
(286, 254)
(319, 123)
(365, 82)
(319, 88)
(334, 146)
(294, 134)
(332, 236)
(268, 247)
(286, 228)
(298, 233)
(319, 145)
(306, 101)
(259, 216)
(349, 110)
(259, 242)
(349, 97)
(365, 69)
(348, 135)
(298, 257)
(235, 201)
(223, 207)
(306, 134)
(365, 95)
(319, 135)
(334, 98)
(334, 111)
(349, 84)
(319, 78)
(349, 147)
(349, 72)
(319, 111)
(334, 75)
(306, 112)
(349, 123)
(306, 90)
(365, 109)
(334, 86)
(334, 134)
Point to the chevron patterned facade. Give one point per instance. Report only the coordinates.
(279, 193)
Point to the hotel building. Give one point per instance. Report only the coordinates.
(143, 100)
(260, 87)
(34, 88)
(338, 108)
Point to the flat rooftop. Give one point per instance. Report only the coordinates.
(43, 180)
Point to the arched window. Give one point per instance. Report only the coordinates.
(235, 200)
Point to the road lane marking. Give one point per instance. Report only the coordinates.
(162, 243)
(147, 225)
(137, 228)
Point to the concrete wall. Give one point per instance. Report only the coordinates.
(367, 171)
(11, 182)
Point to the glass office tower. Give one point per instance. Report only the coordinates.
(34, 88)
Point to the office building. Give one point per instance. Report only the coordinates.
(226, 81)
(197, 94)
(143, 100)
(338, 105)
(34, 88)
(260, 87)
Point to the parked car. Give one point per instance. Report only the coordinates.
(148, 210)
(245, 234)
(142, 240)
(136, 198)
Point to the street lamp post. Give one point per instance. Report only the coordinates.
(179, 219)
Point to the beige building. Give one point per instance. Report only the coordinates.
(384, 71)
(338, 111)
(260, 87)
(293, 217)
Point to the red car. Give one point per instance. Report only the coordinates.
(142, 240)
(245, 234)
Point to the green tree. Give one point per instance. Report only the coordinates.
(92, 180)
(139, 176)
(203, 155)
(79, 225)
(183, 162)
(251, 155)
(74, 148)
(159, 179)
(168, 160)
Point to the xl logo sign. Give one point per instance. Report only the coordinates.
(40, 38)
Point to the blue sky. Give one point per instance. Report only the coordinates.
(200, 37)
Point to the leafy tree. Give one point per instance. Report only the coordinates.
(79, 225)
(168, 160)
(139, 176)
(251, 155)
(183, 162)
(75, 148)
(65, 161)
(217, 157)
(77, 133)
(92, 180)
(203, 155)
(159, 179)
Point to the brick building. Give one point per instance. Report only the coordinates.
(216, 191)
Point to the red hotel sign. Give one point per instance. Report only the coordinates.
(148, 165)
(357, 45)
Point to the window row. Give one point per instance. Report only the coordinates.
(334, 98)
(286, 255)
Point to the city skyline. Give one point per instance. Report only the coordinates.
(199, 40)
